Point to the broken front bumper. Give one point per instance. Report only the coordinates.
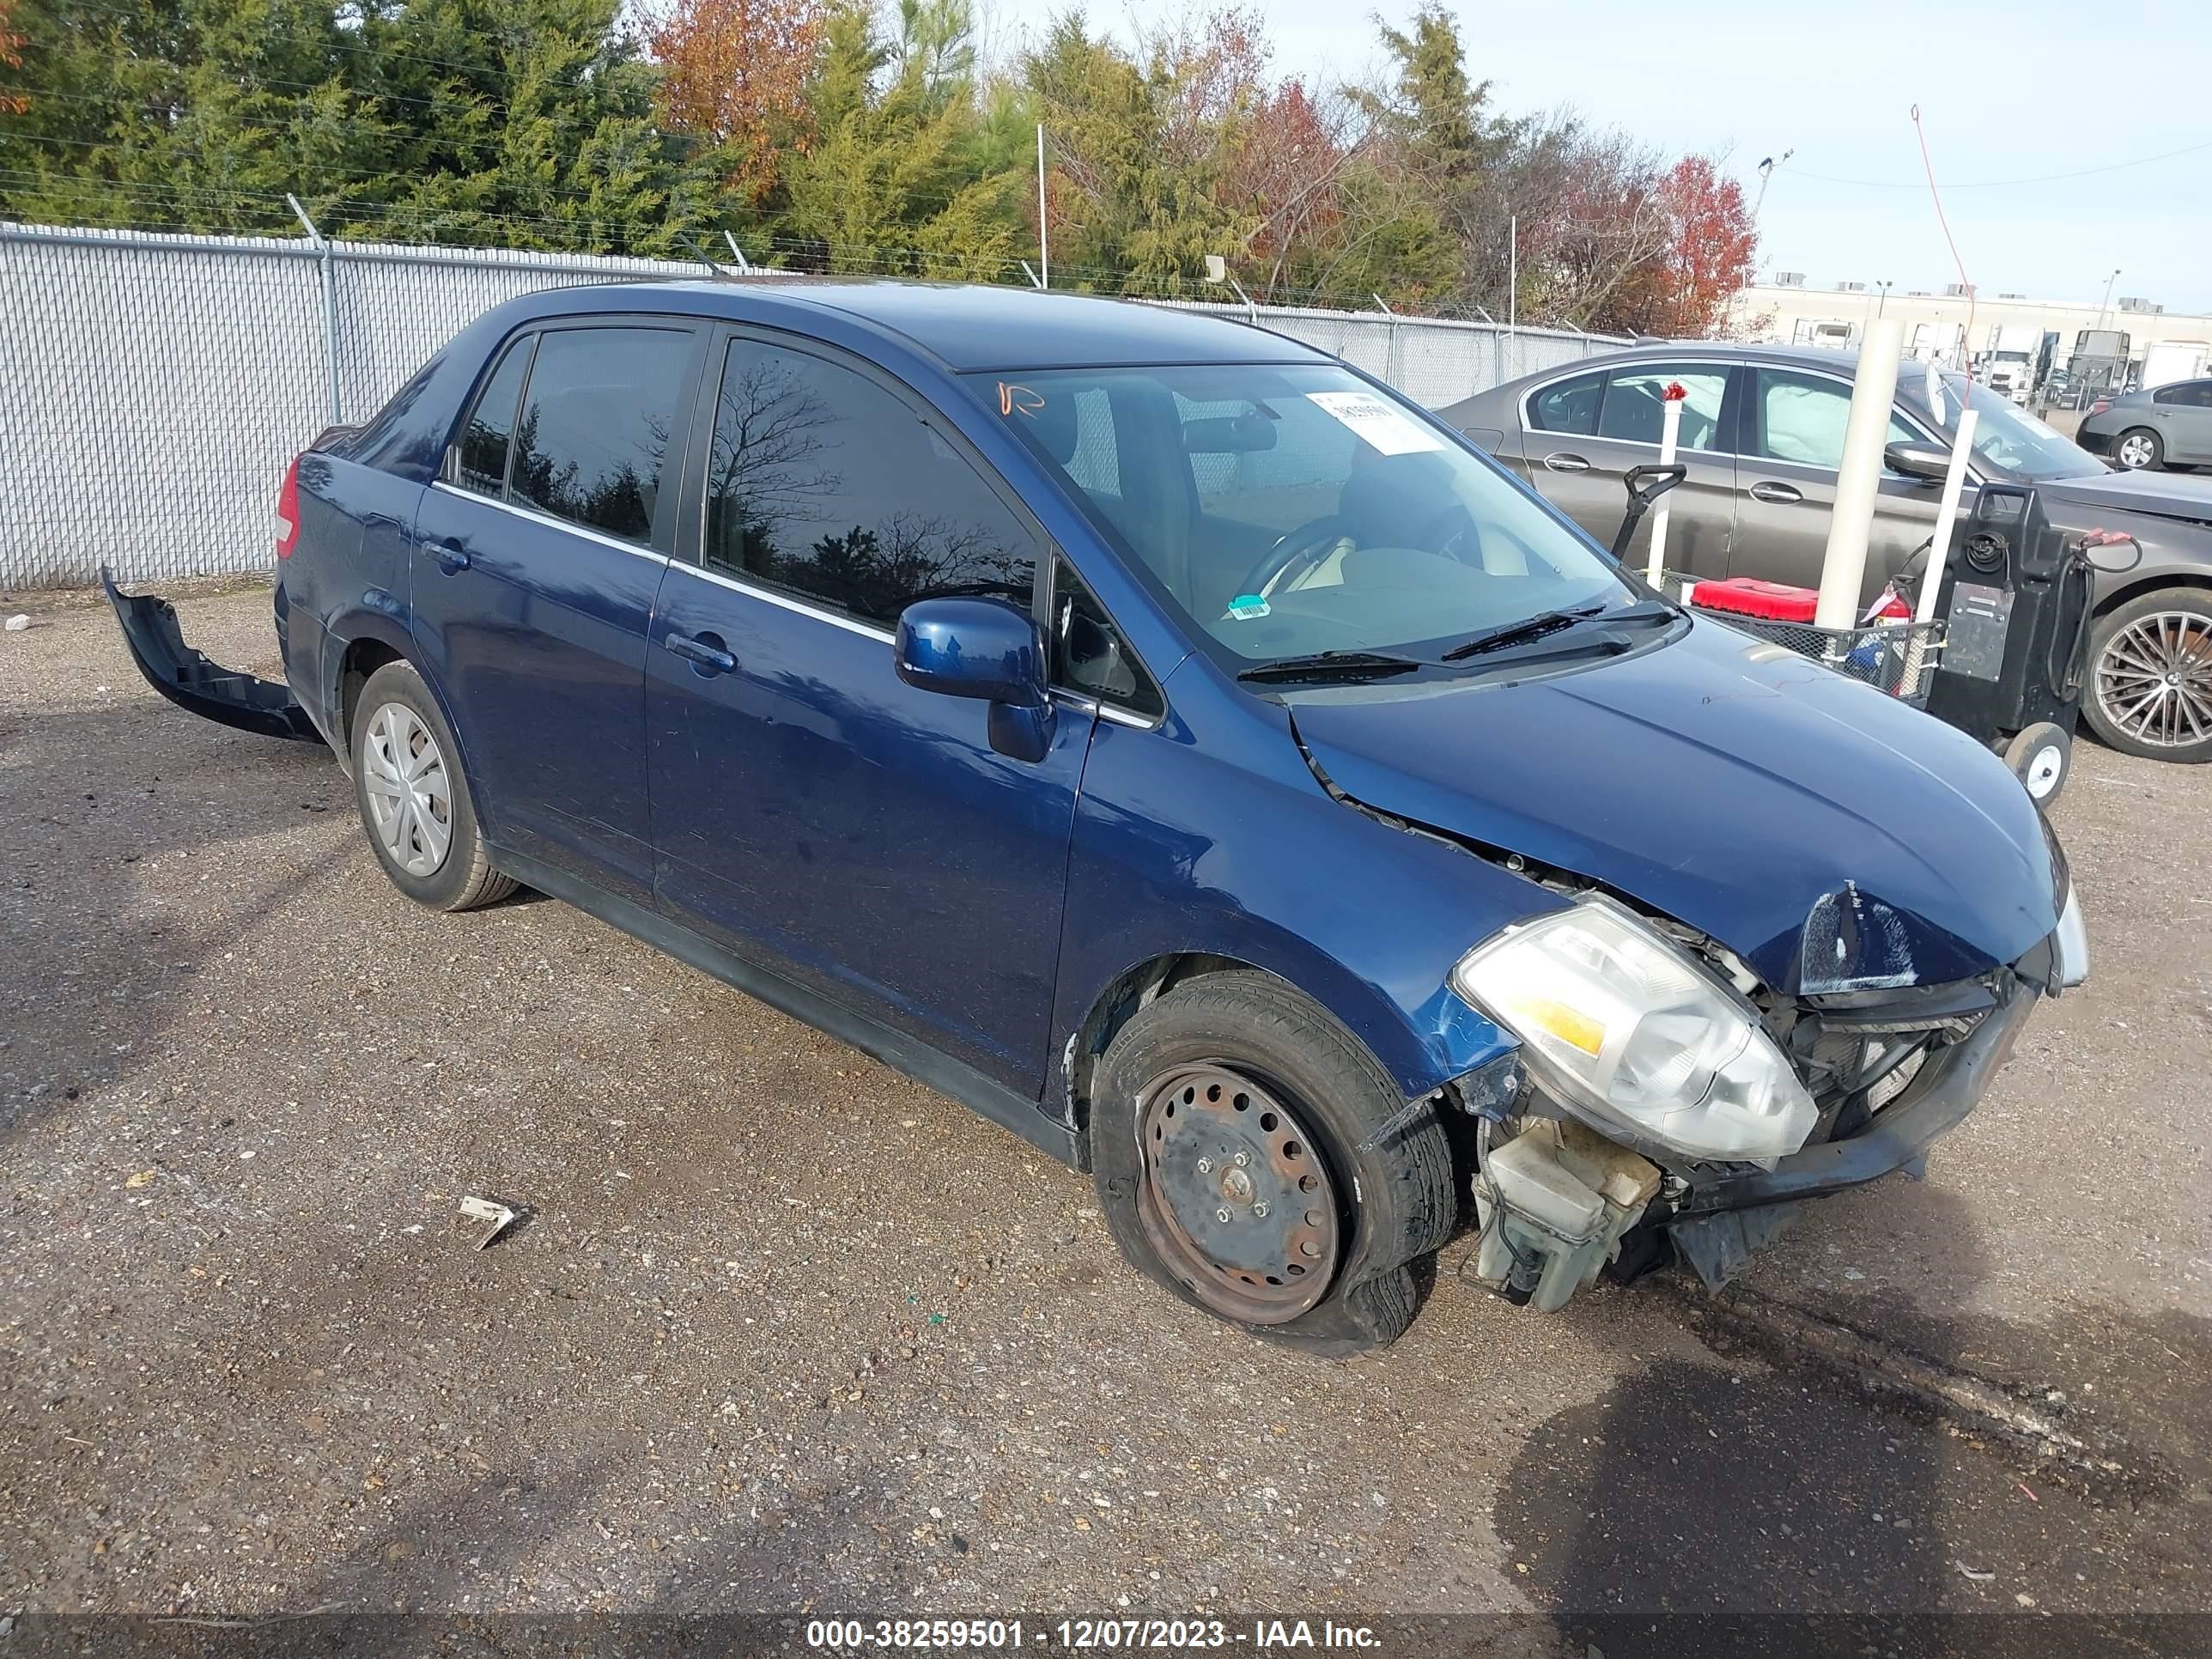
(1537, 1246)
(192, 680)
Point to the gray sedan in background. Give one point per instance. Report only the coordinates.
(1761, 437)
(2166, 426)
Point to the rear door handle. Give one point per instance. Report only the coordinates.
(1561, 462)
(452, 558)
(706, 653)
(1779, 494)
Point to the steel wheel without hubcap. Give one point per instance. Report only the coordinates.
(1234, 1197)
(410, 798)
(2154, 679)
(2136, 451)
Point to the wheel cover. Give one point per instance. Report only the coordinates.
(1234, 1197)
(2045, 768)
(410, 804)
(2135, 451)
(2154, 679)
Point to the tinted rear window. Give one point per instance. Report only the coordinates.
(593, 436)
(1569, 406)
(491, 422)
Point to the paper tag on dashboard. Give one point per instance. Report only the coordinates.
(1248, 607)
(1383, 427)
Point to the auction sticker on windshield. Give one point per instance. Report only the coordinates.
(1384, 429)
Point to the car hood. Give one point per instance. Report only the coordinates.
(1833, 837)
(2169, 495)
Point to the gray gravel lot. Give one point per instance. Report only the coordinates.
(782, 1330)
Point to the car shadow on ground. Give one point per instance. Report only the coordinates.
(1774, 1502)
(95, 974)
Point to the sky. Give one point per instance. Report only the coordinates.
(2008, 90)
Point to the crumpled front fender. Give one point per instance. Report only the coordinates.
(192, 680)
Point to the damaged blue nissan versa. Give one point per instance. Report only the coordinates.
(1176, 746)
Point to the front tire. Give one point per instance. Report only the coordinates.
(2140, 450)
(414, 800)
(1252, 1158)
(2150, 676)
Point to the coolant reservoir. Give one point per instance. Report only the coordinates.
(1553, 1202)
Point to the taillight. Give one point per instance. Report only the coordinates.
(287, 511)
(2101, 405)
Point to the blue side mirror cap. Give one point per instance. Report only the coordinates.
(972, 647)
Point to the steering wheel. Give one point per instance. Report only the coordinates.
(1452, 532)
(1301, 548)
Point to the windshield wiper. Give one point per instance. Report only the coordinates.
(1331, 665)
(1550, 622)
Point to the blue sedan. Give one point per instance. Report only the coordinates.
(1155, 734)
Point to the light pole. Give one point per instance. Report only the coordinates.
(1884, 306)
(2107, 304)
(1766, 177)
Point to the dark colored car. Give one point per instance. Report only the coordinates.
(1183, 751)
(1762, 433)
(2144, 431)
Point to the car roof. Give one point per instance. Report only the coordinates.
(971, 327)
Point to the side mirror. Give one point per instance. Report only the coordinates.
(1930, 463)
(985, 649)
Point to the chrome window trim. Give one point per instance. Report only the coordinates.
(784, 602)
(552, 521)
(1896, 409)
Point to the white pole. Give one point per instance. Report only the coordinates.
(1670, 428)
(1858, 480)
(1512, 273)
(1044, 247)
(1947, 516)
(1931, 577)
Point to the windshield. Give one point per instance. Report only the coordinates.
(2008, 440)
(1289, 511)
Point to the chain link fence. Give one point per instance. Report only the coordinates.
(153, 386)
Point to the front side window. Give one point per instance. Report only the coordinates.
(1635, 405)
(2009, 442)
(1569, 407)
(592, 439)
(1800, 418)
(823, 482)
(482, 457)
(1088, 653)
(1284, 510)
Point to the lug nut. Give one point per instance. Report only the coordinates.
(1242, 1158)
(1221, 1215)
(1261, 1208)
(1206, 1166)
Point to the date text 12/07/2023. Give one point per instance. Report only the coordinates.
(1083, 1635)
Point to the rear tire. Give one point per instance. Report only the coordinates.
(2139, 449)
(413, 800)
(2149, 690)
(1233, 1097)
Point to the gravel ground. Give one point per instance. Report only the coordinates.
(780, 1330)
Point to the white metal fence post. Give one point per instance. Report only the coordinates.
(322, 246)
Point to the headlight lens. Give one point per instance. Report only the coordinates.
(1623, 1025)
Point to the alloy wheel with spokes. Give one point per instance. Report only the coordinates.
(2136, 451)
(409, 792)
(2154, 679)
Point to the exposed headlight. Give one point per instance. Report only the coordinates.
(1623, 1025)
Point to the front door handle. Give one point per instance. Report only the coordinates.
(452, 558)
(1779, 494)
(1562, 462)
(705, 653)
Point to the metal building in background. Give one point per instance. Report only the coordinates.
(153, 386)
